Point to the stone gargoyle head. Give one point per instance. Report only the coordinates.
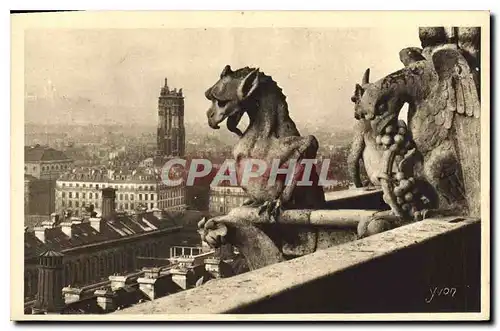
(228, 96)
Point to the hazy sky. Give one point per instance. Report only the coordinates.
(116, 75)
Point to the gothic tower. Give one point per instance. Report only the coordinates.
(171, 133)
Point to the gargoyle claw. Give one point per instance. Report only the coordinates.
(212, 232)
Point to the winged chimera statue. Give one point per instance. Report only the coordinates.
(439, 173)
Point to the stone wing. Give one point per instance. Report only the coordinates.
(457, 92)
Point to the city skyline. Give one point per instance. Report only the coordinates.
(115, 76)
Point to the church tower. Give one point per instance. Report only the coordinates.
(171, 137)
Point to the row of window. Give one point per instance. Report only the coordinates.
(76, 204)
(123, 206)
(77, 195)
(121, 196)
(121, 187)
(51, 167)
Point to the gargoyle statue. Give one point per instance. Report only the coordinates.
(440, 170)
(364, 146)
(271, 134)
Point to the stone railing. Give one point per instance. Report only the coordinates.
(428, 266)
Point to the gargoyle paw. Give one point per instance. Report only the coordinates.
(212, 232)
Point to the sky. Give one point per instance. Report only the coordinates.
(115, 75)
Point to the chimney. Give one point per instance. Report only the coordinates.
(108, 202)
(40, 233)
(95, 222)
(66, 227)
(49, 298)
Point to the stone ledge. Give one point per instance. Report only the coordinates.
(317, 283)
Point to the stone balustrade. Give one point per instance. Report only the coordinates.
(428, 266)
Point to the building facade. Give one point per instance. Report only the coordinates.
(138, 188)
(224, 198)
(42, 167)
(45, 163)
(171, 135)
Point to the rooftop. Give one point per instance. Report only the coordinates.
(121, 226)
(39, 153)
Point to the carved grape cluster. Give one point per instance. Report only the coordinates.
(405, 193)
(396, 138)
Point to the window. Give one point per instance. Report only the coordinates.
(83, 195)
(84, 185)
(132, 205)
(70, 184)
(126, 196)
(140, 196)
(97, 204)
(121, 196)
(70, 203)
(145, 196)
(152, 196)
(76, 204)
(90, 195)
(152, 188)
(64, 194)
(131, 197)
(126, 205)
(70, 195)
(151, 206)
(64, 184)
(97, 195)
(77, 185)
(76, 195)
(97, 186)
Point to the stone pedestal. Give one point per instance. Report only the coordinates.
(106, 299)
(117, 282)
(71, 294)
(148, 283)
(180, 277)
(212, 266)
(151, 272)
(148, 287)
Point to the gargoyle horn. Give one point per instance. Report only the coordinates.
(226, 71)
(366, 77)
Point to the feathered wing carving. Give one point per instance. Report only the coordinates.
(457, 91)
(456, 104)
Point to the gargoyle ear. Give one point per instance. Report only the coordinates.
(226, 71)
(358, 92)
(248, 85)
